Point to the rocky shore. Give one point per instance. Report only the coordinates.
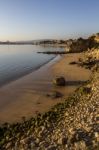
(72, 125)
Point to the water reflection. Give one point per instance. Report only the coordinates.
(18, 60)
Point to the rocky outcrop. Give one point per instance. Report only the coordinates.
(91, 59)
(81, 45)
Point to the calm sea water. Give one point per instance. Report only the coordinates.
(18, 60)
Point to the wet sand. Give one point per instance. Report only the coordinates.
(27, 95)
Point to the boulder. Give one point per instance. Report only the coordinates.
(62, 141)
(59, 81)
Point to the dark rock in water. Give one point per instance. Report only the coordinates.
(55, 94)
(59, 81)
(53, 52)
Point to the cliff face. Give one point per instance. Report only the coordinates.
(79, 45)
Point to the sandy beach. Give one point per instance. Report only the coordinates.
(27, 95)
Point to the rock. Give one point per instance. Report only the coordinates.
(59, 81)
(37, 140)
(43, 144)
(55, 94)
(51, 147)
(62, 141)
(96, 134)
(42, 128)
(73, 63)
(8, 146)
(32, 144)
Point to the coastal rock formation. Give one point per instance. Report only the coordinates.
(81, 44)
(91, 59)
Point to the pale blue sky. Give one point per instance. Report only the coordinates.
(40, 19)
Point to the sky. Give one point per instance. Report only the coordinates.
(48, 19)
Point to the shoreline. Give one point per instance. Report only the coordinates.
(27, 96)
(26, 73)
(18, 88)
